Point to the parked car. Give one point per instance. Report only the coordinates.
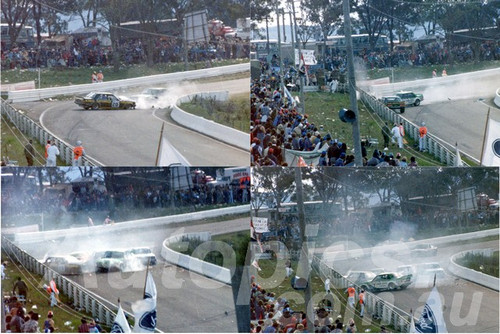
(103, 100)
(424, 250)
(410, 98)
(64, 264)
(394, 102)
(388, 281)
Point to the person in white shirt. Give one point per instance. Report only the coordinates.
(396, 135)
(52, 153)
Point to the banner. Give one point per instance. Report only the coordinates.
(260, 225)
(307, 55)
(432, 320)
(120, 325)
(491, 149)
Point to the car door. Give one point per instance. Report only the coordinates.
(105, 101)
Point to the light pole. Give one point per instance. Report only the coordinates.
(358, 159)
(302, 102)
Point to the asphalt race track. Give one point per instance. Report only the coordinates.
(131, 137)
(187, 302)
(468, 307)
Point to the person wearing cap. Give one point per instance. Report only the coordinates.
(322, 159)
(422, 136)
(340, 161)
(78, 153)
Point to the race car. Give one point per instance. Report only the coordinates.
(143, 254)
(410, 98)
(388, 281)
(394, 102)
(64, 264)
(424, 250)
(111, 260)
(102, 100)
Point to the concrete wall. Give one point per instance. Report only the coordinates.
(210, 128)
(38, 94)
(473, 275)
(130, 225)
(497, 98)
(194, 264)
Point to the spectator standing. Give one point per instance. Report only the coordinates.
(2, 269)
(21, 288)
(100, 77)
(31, 326)
(94, 77)
(386, 134)
(52, 153)
(47, 149)
(421, 140)
(361, 299)
(444, 73)
(78, 153)
(29, 152)
(396, 135)
(434, 73)
(350, 295)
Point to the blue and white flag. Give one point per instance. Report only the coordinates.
(145, 309)
(432, 320)
(120, 325)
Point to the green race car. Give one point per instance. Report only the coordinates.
(101, 100)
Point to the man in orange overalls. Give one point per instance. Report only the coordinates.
(78, 153)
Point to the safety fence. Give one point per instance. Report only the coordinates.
(432, 143)
(374, 306)
(32, 130)
(80, 297)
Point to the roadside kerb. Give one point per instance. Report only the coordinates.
(128, 226)
(81, 297)
(360, 252)
(471, 274)
(39, 94)
(208, 127)
(193, 264)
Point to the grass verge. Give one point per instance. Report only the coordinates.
(485, 264)
(234, 113)
(66, 318)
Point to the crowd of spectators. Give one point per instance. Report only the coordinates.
(90, 52)
(30, 200)
(276, 125)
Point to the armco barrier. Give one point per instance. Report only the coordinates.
(471, 274)
(33, 130)
(130, 225)
(81, 297)
(191, 263)
(374, 306)
(360, 252)
(38, 94)
(497, 98)
(210, 128)
(432, 143)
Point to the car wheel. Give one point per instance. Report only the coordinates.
(401, 110)
(392, 286)
(127, 106)
(122, 266)
(417, 102)
(95, 106)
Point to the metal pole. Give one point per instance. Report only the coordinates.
(302, 102)
(358, 159)
(186, 66)
(284, 30)
(305, 266)
(279, 46)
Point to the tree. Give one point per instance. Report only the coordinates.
(15, 13)
(326, 14)
(371, 14)
(275, 180)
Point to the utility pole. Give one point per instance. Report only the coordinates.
(302, 102)
(279, 47)
(304, 264)
(358, 159)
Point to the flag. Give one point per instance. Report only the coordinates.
(458, 158)
(168, 155)
(491, 145)
(145, 309)
(120, 325)
(289, 97)
(432, 320)
(255, 263)
(302, 162)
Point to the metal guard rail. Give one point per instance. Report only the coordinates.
(82, 298)
(375, 306)
(33, 130)
(432, 143)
